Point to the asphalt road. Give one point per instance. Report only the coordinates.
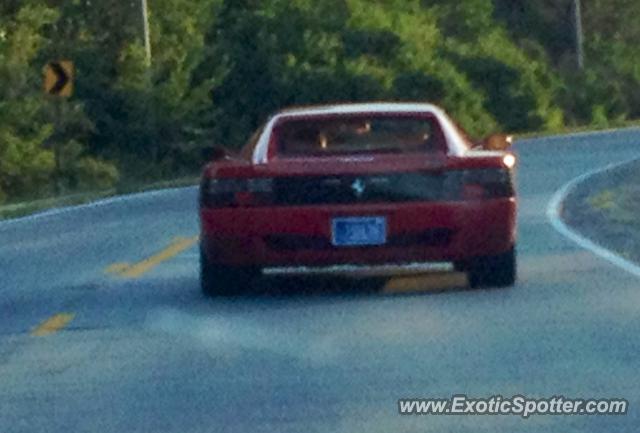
(103, 328)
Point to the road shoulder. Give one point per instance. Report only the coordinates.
(604, 207)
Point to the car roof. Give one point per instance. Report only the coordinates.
(354, 108)
(455, 142)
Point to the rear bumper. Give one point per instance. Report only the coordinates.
(301, 236)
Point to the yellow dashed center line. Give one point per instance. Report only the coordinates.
(52, 324)
(117, 268)
(138, 269)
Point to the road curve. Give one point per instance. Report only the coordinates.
(103, 328)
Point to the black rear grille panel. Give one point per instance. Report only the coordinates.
(378, 188)
(437, 237)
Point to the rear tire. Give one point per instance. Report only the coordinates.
(219, 280)
(494, 271)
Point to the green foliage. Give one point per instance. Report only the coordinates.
(281, 53)
(37, 133)
(24, 164)
(220, 67)
(606, 91)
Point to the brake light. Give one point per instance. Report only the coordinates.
(235, 192)
(478, 184)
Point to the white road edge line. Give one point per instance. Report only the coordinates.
(93, 204)
(555, 208)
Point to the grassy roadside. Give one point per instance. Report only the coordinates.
(606, 209)
(17, 210)
(618, 204)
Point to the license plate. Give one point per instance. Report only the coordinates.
(358, 231)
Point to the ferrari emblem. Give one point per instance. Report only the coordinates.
(358, 187)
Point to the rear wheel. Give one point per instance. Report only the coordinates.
(218, 280)
(494, 271)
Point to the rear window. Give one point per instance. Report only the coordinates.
(358, 134)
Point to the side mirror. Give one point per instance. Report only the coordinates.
(214, 153)
(497, 142)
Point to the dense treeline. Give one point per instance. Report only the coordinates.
(219, 67)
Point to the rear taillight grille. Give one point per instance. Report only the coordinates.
(453, 185)
(236, 192)
(485, 183)
(294, 242)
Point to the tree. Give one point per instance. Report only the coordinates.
(24, 165)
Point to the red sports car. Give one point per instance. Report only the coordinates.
(362, 184)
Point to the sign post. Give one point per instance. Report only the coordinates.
(577, 15)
